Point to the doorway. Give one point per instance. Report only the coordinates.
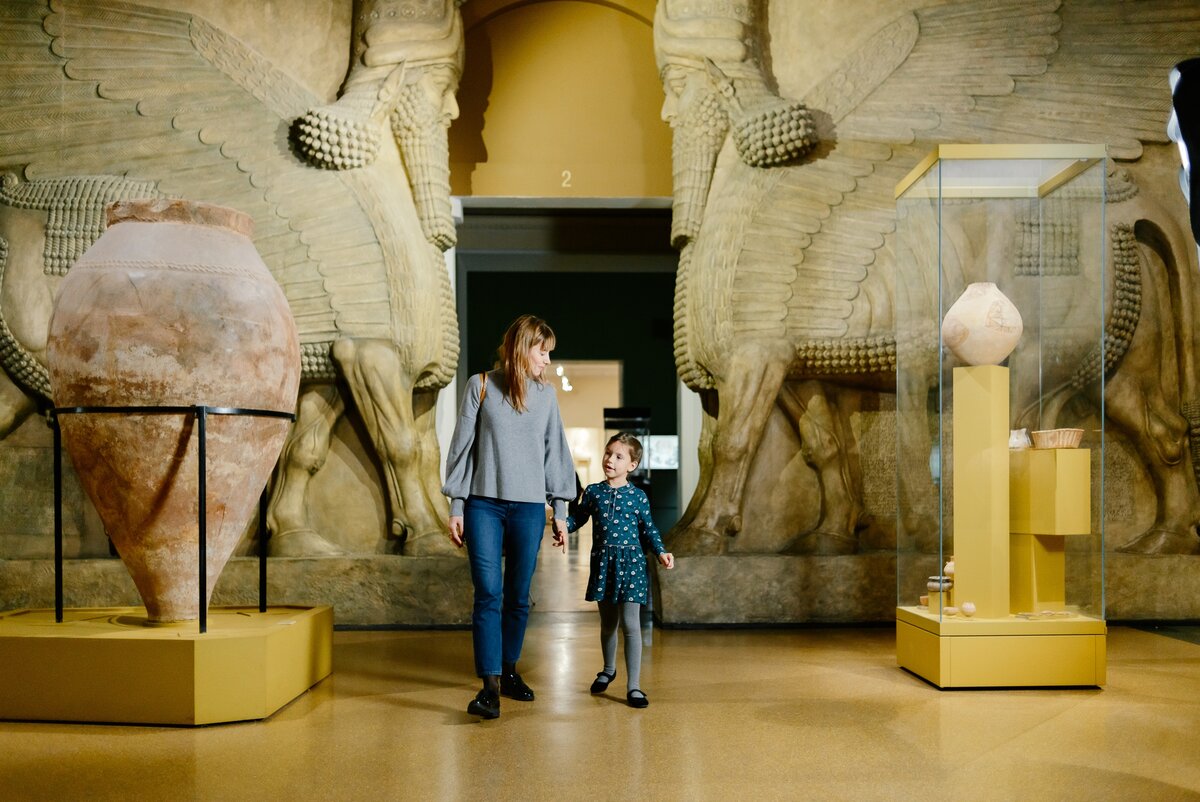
(604, 279)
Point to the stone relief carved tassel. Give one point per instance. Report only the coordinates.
(390, 37)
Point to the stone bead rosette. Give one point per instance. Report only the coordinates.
(335, 141)
(775, 134)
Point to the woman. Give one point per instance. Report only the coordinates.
(507, 460)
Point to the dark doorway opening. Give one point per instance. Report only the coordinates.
(604, 279)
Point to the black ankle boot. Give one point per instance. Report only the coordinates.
(512, 686)
(486, 704)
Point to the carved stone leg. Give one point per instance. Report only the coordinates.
(1159, 436)
(15, 406)
(383, 392)
(292, 533)
(746, 397)
(704, 449)
(1143, 397)
(434, 542)
(828, 445)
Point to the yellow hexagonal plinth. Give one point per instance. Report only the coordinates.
(111, 665)
(1003, 652)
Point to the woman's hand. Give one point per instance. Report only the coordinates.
(456, 530)
(560, 534)
(667, 559)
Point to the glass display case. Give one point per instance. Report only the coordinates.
(1001, 299)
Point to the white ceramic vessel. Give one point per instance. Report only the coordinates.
(983, 326)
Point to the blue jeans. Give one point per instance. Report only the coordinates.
(495, 530)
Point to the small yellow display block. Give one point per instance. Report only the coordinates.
(110, 665)
(1050, 491)
(1000, 653)
(1037, 573)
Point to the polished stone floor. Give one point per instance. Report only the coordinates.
(746, 714)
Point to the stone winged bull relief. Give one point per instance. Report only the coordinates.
(784, 218)
(105, 100)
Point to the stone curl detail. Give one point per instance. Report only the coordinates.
(845, 356)
(1119, 186)
(76, 209)
(334, 141)
(777, 133)
(315, 362)
(1126, 308)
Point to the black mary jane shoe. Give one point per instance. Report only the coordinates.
(512, 686)
(637, 701)
(486, 704)
(601, 683)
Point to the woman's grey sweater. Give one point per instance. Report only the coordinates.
(510, 455)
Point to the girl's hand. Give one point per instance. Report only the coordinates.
(560, 534)
(667, 559)
(456, 530)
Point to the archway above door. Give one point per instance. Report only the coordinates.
(560, 98)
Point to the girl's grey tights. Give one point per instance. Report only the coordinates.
(630, 616)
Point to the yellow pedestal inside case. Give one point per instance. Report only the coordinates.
(1002, 570)
(1050, 491)
(1051, 500)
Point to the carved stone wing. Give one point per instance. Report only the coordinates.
(152, 94)
(1081, 71)
(1018, 71)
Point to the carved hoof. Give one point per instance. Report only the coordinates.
(819, 542)
(1163, 541)
(302, 543)
(694, 542)
(431, 544)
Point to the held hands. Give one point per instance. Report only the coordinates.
(456, 530)
(667, 559)
(560, 534)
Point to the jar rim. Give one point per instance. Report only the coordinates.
(178, 210)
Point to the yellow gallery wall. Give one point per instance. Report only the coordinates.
(560, 98)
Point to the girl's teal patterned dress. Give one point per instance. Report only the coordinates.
(621, 528)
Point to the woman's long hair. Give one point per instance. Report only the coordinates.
(523, 334)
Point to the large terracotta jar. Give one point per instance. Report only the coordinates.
(172, 306)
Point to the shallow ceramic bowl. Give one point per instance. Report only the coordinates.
(1057, 438)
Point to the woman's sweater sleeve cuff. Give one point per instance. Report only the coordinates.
(456, 506)
(560, 509)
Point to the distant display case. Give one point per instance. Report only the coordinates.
(1001, 298)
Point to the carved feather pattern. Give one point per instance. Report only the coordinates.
(109, 87)
(978, 71)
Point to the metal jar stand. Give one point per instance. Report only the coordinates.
(201, 414)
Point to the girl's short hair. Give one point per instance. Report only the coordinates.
(523, 334)
(629, 441)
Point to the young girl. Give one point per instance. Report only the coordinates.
(621, 527)
(507, 460)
